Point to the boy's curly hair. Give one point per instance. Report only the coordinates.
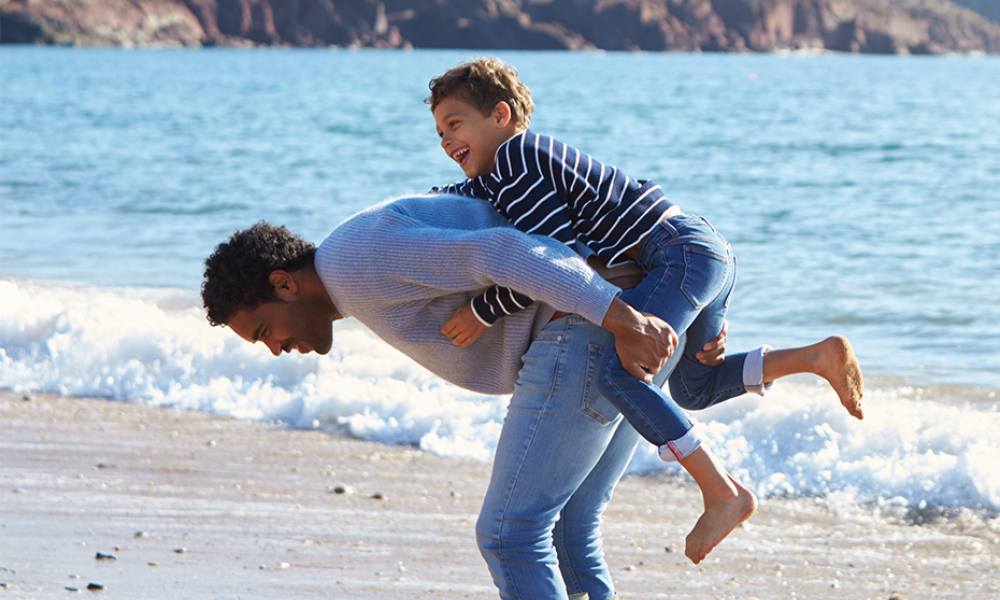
(483, 83)
(237, 273)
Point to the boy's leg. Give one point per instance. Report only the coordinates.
(693, 385)
(832, 359)
(696, 386)
(727, 503)
(688, 270)
(556, 431)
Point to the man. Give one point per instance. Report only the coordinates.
(402, 268)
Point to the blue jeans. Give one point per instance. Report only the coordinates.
(561, 451)
(690, 273)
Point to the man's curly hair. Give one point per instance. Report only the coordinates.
(483, 83)
(237, 273)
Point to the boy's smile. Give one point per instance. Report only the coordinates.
(471, 138)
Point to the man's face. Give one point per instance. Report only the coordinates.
(469, 137)
(302, 324)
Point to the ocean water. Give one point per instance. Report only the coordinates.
(861, 194)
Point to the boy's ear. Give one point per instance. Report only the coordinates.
(502, 114)
(285, 287)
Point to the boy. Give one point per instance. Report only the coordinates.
(544, 187)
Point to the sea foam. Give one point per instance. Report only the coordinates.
(154, 346)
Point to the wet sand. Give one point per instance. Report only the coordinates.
(197, 506)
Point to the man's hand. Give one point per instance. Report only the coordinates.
(644, 342)
(463, 327)
(713, 353)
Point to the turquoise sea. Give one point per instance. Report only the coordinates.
(861, 195)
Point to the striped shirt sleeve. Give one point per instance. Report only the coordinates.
(470, 188)
(497, 302)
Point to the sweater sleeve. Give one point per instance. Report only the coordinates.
(415, 259)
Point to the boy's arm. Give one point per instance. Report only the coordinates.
(497, 302)
(472, 320)
(463, 327)
(469, 188)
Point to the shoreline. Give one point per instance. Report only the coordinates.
(255, 509)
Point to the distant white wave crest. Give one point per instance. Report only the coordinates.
(155, 347)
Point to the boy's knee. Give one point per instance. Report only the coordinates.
(686, 397)
(604, 386)
(611, 371)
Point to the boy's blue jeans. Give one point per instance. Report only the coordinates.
(690, 273)
(561, 451)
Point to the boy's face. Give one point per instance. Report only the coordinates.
(471, 138)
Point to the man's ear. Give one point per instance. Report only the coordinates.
(502, 114)
(285, 287)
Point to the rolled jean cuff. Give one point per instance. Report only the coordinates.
(681, 448)
(753, 371)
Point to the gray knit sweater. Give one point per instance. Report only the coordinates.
(402, 268)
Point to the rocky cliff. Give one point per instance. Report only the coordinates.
(870, 26)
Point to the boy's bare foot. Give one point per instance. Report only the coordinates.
(720, 518)
(839, 366)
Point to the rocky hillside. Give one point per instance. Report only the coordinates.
(988, 8)
(870, 26)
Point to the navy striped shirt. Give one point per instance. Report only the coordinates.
(545, 187)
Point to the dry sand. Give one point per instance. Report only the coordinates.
(235, 509)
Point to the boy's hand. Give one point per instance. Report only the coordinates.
(644, 342)
(713, 353)
(463, 327)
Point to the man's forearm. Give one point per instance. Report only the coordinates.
(644, 342)
(622, 319)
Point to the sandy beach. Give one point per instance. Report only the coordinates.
(192, 505)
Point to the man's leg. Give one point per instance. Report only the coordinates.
(556, 432)
(577, 534)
